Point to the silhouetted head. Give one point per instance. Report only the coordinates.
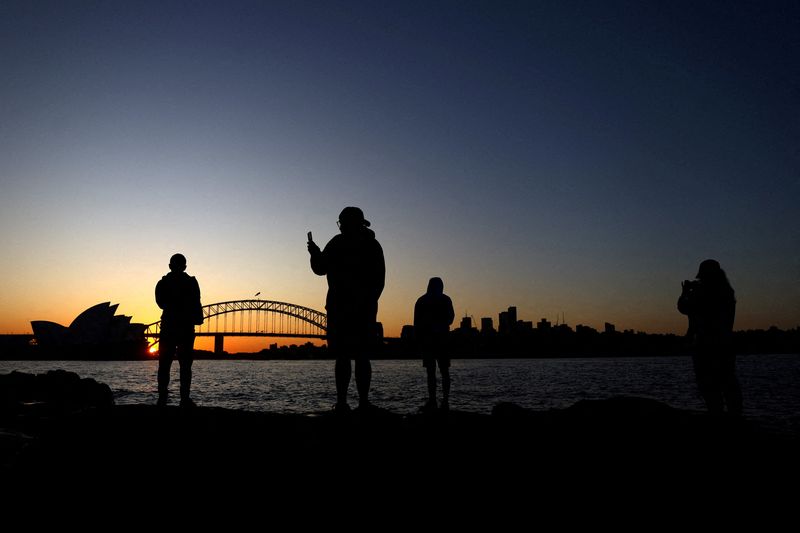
(177, 263)
(351, 219)
(435, 286)
(709, 269)
(711, 275)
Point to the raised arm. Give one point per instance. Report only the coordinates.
(319, 263)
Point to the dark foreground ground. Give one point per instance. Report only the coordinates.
(620, 449)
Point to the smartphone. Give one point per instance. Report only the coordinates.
(309, 237)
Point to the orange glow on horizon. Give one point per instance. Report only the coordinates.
(655, 314)
(251, 344)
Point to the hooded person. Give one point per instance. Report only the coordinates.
(433, 315)
(354, 265)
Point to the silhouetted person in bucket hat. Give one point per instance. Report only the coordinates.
(353, 263)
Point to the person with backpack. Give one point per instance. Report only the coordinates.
(178, 295)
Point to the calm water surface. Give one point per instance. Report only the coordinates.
(771, 383)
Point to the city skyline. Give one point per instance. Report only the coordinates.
(572, 158)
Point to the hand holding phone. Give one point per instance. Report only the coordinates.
(312, 246)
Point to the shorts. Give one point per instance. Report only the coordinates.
(353, 341)
(430, 362)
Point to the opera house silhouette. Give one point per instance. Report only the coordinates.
(93, 331)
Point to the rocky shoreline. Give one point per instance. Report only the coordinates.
(60, 427)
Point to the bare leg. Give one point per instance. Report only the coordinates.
(343, 371)
(445, 383)
(166, 354)
(186, 378)
(363, 380)
(186, 358)
(431, 369)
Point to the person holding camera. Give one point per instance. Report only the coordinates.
(710, 305)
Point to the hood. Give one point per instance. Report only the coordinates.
(435, 286)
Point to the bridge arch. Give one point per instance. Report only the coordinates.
(255, 318)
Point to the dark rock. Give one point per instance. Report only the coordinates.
(54, 391)
(633, 445)
(621, 406)
(509, 410)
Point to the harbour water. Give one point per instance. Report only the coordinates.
(771, 383)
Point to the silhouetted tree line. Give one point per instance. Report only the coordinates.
(21, 347)
(563, 341)
(559, 341)
(772, 340)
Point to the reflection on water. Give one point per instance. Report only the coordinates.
(771, 383)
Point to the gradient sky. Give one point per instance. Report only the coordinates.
(564, 157)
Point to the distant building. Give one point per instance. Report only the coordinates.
(507, 321)
(544, 325)
(407, 333)
(524, 325)
(15, 344)
(486, 325)
(466, 323)
(96, 326)
(609, 328)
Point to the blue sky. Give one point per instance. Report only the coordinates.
(564, 157)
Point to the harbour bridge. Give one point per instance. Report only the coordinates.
(253, 318)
